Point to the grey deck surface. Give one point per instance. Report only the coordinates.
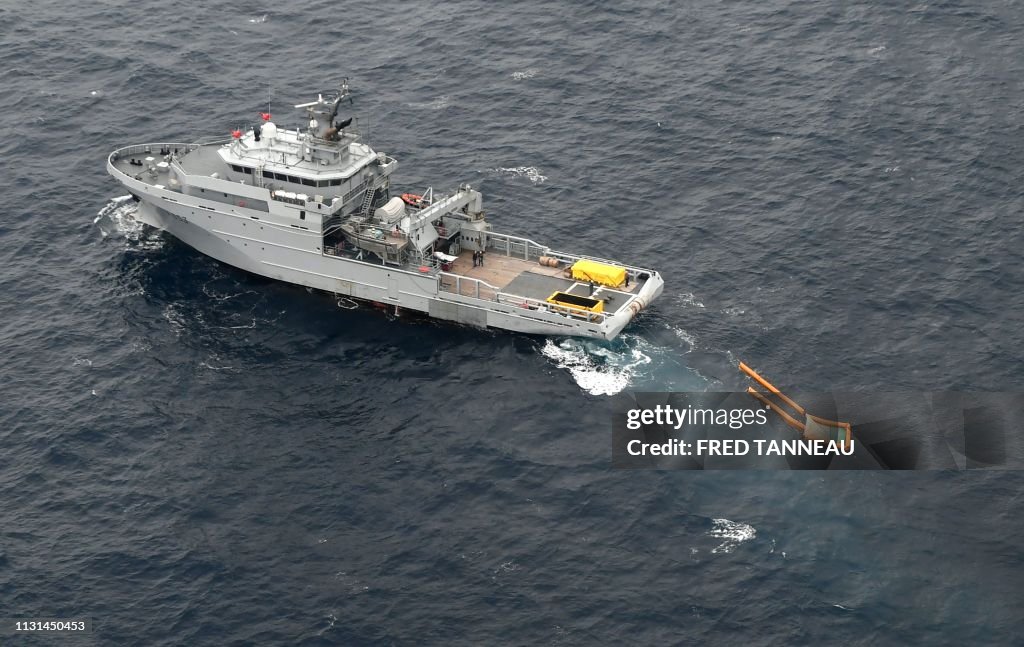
(204, 160)
(536, 286)
(541, 286)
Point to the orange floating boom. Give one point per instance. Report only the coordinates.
(768, 385)
(827, 422)
(790, 420)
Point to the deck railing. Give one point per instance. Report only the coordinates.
(331, 224)
(149, 149)
(469, 287)
(528, 303)
(209, 140)
(153, 149)
(529, 250)
(515, 246)
(568, 259)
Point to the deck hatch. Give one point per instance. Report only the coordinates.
(576, 301)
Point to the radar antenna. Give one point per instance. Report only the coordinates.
(328, 107)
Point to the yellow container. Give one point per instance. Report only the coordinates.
(610, 275)
(576, 302)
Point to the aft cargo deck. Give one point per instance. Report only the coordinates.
(513, 277)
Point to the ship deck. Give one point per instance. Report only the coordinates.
(518, 277)
(159, 177)
(194, 160)
(153, 163)
(203, 160)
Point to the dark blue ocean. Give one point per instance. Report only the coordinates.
(192, 455)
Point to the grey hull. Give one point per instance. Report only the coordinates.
(281, 242)
(227, 239)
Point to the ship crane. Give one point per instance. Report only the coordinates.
(419, 224)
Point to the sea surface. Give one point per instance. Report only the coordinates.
(192, 455)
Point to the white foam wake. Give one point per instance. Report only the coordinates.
(525, 74)
(117, 220)
(439, 103)
(117, 217)
(732, 534)
(596, 370)
(631, 361)
(689, 299)
(532, 173)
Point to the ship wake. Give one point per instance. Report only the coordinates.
(117, 220)
(629, 362)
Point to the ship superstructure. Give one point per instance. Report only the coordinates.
(314, 206)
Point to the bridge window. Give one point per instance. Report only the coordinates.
(268, 174)
(308, 182)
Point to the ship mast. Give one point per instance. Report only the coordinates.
(323, 112)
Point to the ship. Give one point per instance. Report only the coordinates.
(314, 206)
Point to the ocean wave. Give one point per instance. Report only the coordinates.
(689, 299)
(438, 103)
(179, 318)
(684, 336)
(214, 363)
